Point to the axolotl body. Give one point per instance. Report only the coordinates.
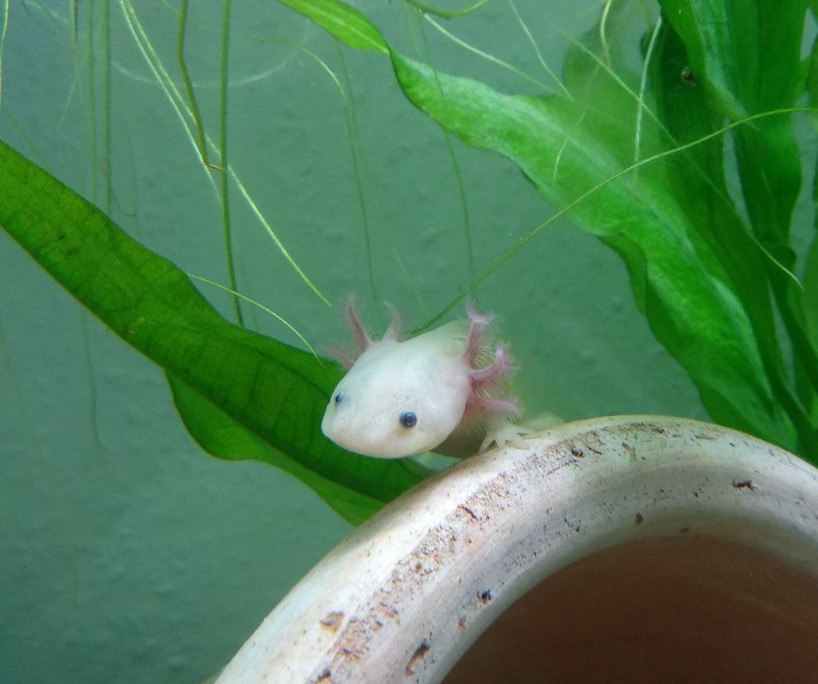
(432, 392)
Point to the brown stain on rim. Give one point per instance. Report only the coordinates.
(417, 657)
(332, 620)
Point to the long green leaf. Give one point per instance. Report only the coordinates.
(223, 437)
(343, 21)
(690, 311)
(745, 54)
(268, 389)
(811, 291)
(698, 179)
(575, 153)
(746, 57)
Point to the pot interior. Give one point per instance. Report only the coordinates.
(686, 609)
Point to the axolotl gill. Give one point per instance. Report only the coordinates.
(432, 392)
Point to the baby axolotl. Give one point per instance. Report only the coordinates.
(432, 392)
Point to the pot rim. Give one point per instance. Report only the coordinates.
(405, 595)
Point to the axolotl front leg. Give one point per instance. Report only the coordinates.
(486, 418)
(483, 379)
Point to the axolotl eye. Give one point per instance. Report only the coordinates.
(339, 397)
(408, 419)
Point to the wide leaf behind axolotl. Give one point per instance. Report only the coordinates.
(600, 151)
(241, 394)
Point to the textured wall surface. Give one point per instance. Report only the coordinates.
(127, 554)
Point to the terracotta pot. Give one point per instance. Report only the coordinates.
(625, 549)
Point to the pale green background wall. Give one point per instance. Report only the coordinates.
(126, 554)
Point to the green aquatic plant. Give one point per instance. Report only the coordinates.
(679, 152)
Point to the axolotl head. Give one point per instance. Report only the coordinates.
(400, 398)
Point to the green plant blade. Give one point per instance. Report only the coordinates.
(344, 22)
(574, 161)
(273, 391)
(811, 266)
(746, 56)
(698, 180)
(614, 174)
(220, 435)
(690, 311)
(697, 173)
(811, 292)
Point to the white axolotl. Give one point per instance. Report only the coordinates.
(432, 392)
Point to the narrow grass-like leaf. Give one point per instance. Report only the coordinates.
(272, 390)
(185, 116)
(187, 82)
(448, 14)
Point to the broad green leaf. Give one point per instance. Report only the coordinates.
(271, 390)
(810, 279)
(811, 268)
(698, 179)
(811, 292)
(344, 22)
(220, 435)
(689, 309)
(697, 173)
(577, 155)
(746, 55)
